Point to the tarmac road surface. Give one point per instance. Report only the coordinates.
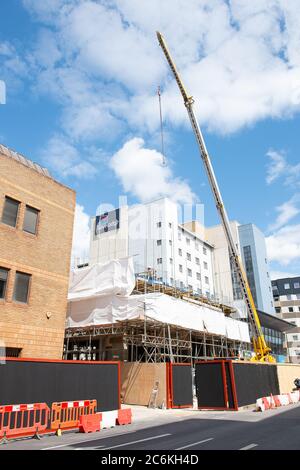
(185, 430)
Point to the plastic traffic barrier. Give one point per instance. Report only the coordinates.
(266, 403)
(124, 416)
(23, 420)
(90, 423)
(66, 415)
(109, 419)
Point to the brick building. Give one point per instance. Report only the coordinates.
(36, 227)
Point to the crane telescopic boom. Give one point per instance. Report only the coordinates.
(261, 349)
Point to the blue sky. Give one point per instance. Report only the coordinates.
(81, 79)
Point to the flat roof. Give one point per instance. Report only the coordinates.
(18, 157)
(271, 321)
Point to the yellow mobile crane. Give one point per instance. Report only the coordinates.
(261, 349)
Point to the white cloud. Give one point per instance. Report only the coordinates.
(283, 246)
(286, 211)
(240, 60)
(276, 167)
(63, 158)
(81, 235)
(282, 274)
(141, 173)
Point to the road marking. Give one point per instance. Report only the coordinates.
(88, 448)
(98, 438)
(136, 442)
(195, 443)
(250, 446)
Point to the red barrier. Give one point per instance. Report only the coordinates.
(23, 420)
(66, 415)
(124, 417)
(90, 423)
(276, 400)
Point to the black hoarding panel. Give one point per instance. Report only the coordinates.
(254, 381)
(231, 402)
(36, 382)
(209, 385)
(182, 385)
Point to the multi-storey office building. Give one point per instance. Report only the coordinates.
(251, 246)
(36, 229)
(255, 261)
(286, 293)
(158, 243)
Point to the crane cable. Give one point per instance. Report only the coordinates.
(161, 129)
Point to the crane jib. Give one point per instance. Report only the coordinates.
(262, 351)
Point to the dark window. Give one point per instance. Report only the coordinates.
(30, 220)
(291, 309)
(13, 352)
(3, 282)
(10, 212)
(250, 271)
(21, 290)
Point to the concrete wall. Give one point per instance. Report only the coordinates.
(287, 373)
(36, 327)
(138, 380)
(222, 270)
(110, 245)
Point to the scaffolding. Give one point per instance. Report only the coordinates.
(147, 282)
(148, 340)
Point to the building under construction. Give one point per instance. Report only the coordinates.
(144, 320)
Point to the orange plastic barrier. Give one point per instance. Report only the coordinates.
(90, 423)
(66, 415)
(124, 416)
(23, 420)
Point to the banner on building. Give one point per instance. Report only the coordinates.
(107, 222)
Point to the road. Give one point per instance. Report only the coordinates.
(187, 430)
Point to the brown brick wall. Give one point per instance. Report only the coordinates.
(37, 327)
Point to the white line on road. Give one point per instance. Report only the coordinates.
(195, 443)
(88, 448)
(136, 442)
(250, 446)
(96, 438)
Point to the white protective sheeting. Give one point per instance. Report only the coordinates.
(103, 310)
(188, 315)
(115, 277)
(111, 309)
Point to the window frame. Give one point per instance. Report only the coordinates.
(3, 299)
(37, 220)
(17, 215)
(19, 302)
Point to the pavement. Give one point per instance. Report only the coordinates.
(185, 429)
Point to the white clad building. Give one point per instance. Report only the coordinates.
(152, 234)
(286, 292)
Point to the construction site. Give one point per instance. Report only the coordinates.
(136, 320)
(163, 314)
(148, 339)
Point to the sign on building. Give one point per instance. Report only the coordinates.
(107, 222)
